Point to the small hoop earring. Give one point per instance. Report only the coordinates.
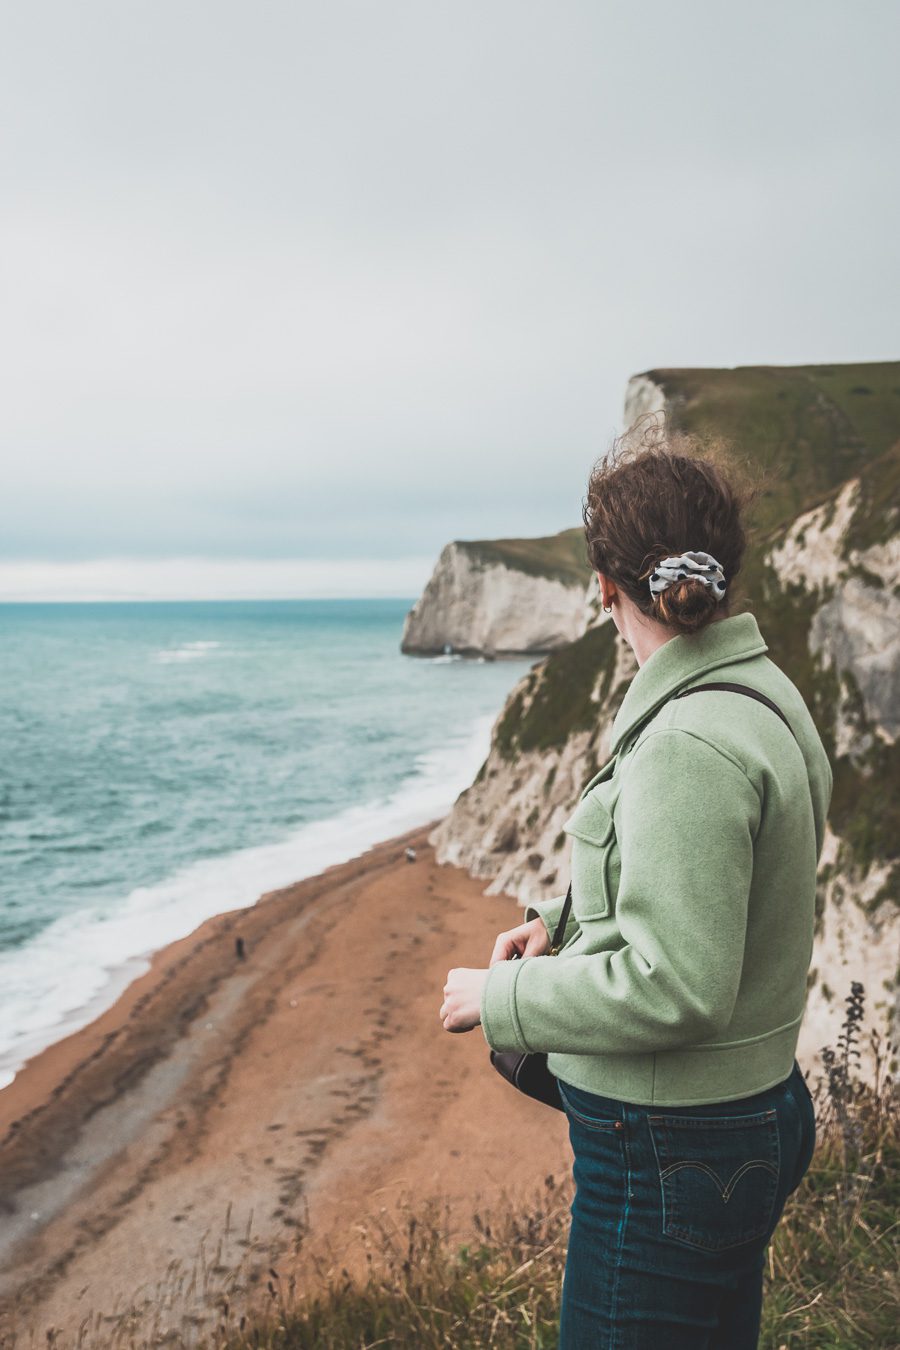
(607, 609)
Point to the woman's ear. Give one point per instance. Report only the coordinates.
(607, 589)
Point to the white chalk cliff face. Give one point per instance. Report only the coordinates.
(643, 395)
(480, 605)
(855, 628)
(852, 599)
(826, 591)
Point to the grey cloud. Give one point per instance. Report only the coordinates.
(363, 277)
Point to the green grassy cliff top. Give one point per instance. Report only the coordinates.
(561, 557)
(808, 428)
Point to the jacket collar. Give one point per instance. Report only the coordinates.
(679, 662)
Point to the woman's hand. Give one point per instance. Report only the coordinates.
(529, 939)
(461, 1008)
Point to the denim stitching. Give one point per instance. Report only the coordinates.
(728, 1190)
(586, 1120)
(684, 1235)
(623, 1222)
(721, 1122)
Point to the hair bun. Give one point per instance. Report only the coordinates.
(684, 604)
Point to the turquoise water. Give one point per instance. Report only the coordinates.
(165, 762)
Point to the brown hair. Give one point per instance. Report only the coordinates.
(658, 493)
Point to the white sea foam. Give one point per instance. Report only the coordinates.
(188, 651)
(78, 966)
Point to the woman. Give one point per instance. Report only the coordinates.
(672, 1012)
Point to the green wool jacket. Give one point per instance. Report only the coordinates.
(682, 975)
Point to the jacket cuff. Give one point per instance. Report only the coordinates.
(499, 1019)
(549, 912)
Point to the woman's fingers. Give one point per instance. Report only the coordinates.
(529, 939)
(538, 943)
(504, 948)
(510, 944)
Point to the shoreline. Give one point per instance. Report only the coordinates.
(193, 893)
(75, 1052)
(313, 1075)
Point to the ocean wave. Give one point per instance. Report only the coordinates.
(188, 651)
(79, 965)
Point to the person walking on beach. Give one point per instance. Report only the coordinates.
(671, 1014)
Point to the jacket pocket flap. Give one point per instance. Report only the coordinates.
(590, 821)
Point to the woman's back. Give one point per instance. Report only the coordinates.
(791, 776)
(683, 975)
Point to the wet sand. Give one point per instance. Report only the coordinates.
(229, 1115)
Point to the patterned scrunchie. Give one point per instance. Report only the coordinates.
(691, 564)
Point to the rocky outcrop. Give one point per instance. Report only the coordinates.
(823, 577)
(502, 597)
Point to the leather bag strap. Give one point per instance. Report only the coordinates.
(561, 925)
(693, 689)
(738, 689)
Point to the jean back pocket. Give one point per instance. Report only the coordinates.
(718, 1177)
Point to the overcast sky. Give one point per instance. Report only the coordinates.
(342, 281)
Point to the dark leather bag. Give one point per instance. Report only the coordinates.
(527, 1070)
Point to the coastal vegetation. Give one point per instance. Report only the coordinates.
(810, 428)
(550, 706)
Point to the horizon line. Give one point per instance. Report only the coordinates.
(154, 580)
(191, 599)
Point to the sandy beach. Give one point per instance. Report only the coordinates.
(230, 1114)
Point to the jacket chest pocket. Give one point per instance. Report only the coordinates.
(596, 862)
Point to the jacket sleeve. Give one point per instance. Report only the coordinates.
(549, 911)
(686, 819)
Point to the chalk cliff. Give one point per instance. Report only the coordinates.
(504, 596)
(822, 576)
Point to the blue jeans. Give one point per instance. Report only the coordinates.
(674, 1207)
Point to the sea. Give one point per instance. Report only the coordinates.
(165, 762)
